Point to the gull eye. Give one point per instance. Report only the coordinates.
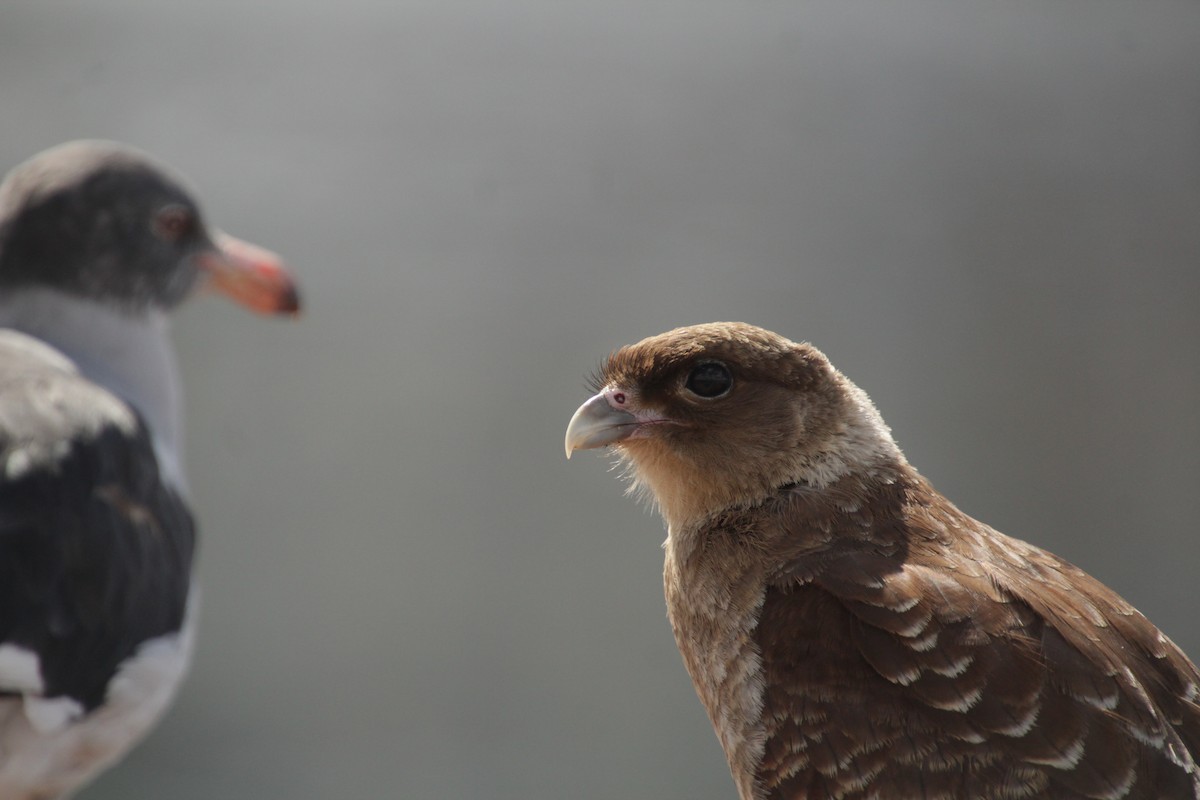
(708, 380)
(174, 223)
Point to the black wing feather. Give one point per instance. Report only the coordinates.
(95, 549)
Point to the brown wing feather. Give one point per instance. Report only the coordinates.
(920, 654)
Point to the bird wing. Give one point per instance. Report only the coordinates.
(964, 663)
(95, 550)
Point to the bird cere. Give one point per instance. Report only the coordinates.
(98, 243)
(853, 634)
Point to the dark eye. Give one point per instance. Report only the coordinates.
(710, 379)
(174, 223)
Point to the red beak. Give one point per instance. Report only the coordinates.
(250, 275)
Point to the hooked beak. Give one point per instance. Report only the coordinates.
(597, 423)
(249, 275)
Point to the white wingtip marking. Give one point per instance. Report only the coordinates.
(20, 670)
(51, 714)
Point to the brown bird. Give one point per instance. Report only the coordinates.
(851, 633)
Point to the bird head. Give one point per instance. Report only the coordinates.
(721, 415)
(103, 220)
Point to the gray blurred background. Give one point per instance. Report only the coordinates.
(988, 215)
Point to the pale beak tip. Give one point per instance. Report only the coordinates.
(597, 424)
